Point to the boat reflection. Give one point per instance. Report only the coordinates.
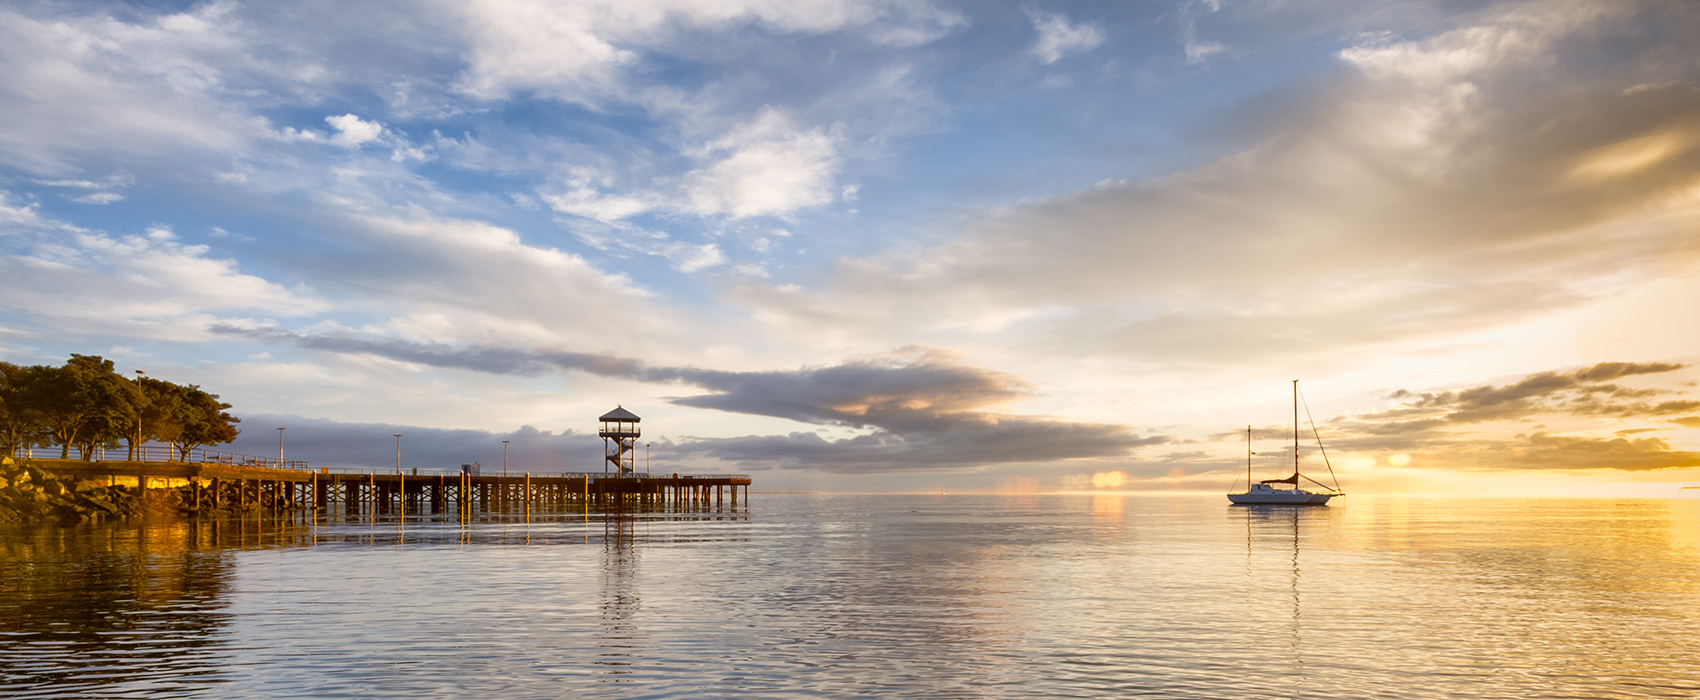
(1274, 534)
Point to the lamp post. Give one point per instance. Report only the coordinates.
(646, 457)
(280, 447)
(398, 453)
(504, 458)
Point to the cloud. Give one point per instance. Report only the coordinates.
(99, 198)
(151, 283)
(1580, 392)
(90, 86)
(330, 443)
(766, 166)
(1421, 196)
(621, 237)
(1059, 38)
(581, 52)
(352, 131)
(1457, 429)
(919, 409)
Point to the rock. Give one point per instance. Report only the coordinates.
(4, 482)
(36, 473)
(100, 504)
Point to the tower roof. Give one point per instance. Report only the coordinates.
(620, 414)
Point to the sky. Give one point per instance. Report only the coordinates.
(883, 245)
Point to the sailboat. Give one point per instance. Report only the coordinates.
(1266, 493)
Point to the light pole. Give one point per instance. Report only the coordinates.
(504, 458)
(398, 453)
(280, 447)
(646, 457)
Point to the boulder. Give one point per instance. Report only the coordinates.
(99, 504)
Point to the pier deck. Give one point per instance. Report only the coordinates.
(322, 489)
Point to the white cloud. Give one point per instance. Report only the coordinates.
(88, 85)
(1059, 38)
(578, 51)
(1408, 208)
(1197, 51)
(99, 198)
(151, 284)
(620, 237)
(483, 282)
(353, 131)
(768, 166)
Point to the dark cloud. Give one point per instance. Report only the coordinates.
(967, 444)
(1543, 451)
(1572, 393)
(1445, 426)
(925, 410)
(331, 443)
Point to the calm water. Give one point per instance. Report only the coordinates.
(874, 596)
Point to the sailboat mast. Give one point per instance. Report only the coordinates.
(1248, 458)
(1295, 431)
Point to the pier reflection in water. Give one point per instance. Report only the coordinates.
(154, 608)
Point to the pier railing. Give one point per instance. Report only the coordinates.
(161, 453)
(165, 453)
(410, 471)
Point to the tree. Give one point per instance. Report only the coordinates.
(21, 422)
(85, 403)
(205, 422)
(158, 415)
(108, 400)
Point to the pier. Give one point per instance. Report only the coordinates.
(210, 479)
(324, 489)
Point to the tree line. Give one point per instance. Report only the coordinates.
(87, 404)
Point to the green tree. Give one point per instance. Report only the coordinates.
(158, 414)
(205, 422)
(105, 398)
(21, 422)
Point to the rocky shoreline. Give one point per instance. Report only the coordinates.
(31, 493)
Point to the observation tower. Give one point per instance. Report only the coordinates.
(619, 435)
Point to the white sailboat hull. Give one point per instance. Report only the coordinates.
(1281, 498)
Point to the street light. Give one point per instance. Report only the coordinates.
(280, 447)
(398, 453)
(504, 458)
(646, 457)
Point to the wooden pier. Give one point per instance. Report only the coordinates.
(373, 491)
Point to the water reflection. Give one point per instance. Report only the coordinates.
(85, 608)
(620, 640)
(1273, 538)
(144, 608)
